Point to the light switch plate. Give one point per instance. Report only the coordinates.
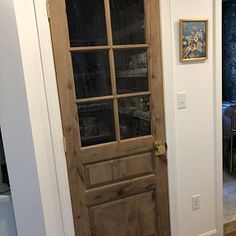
(181, 100)
(196, 202)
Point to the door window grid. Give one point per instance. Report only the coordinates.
(115, 97)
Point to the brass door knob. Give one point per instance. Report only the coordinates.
(160, 149)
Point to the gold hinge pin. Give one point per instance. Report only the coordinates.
(48, 9)
(64, 143)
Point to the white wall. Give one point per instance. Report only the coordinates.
(192, 162)
(194, 126)
(16, 130)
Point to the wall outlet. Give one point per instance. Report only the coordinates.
(196, 202)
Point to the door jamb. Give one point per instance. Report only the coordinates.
(45, 45)
(169, 107)
(217, 55)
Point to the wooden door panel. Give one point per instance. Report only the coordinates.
(119, 190)
(111, 95)
(119, 169)
(133, 216)
(80, 209)
(113, 150)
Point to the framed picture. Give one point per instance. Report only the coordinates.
(193, 40)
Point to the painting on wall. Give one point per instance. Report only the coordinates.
(193, 40)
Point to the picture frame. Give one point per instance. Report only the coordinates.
(193, 40)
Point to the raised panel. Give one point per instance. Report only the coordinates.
(99, 173)
(133, 216)
(123, 189)
(119, 169)
(127, 147)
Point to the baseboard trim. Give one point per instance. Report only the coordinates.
(210, 233)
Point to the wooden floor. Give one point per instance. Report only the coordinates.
(230, 229)
(231, 234)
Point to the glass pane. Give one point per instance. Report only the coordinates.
(128, 23)
(91, 74)
(131, 71)
(87, 24)
(134, 116)
(96, 123)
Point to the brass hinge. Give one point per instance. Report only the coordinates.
(48, 9)
(64, 143)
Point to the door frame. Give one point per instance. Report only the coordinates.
(47, 60)
(169, 97)
(169, 108)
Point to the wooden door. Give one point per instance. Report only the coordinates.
(109, 73)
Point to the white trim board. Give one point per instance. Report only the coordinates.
(217, 54)
(38, 114)
(167, 55)
(44, 37)
(15, 123)
(210, 233)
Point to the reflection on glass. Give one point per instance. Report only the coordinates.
(134, 116)
(91, 74)
(86, 20)
(96, 122)
(131, 71)
(127, 21)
